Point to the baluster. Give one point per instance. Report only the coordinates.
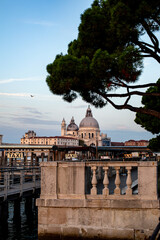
(117, 182)
(129, 181)
(94, 181)
(105, 181)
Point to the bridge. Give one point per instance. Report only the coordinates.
(18, 181)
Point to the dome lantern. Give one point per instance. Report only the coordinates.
(89, 112)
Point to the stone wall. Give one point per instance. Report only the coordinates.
(65, 210)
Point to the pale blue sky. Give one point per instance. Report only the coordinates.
(33, 32)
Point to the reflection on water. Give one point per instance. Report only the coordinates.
(21, 225)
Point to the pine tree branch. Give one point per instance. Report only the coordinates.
(147, 50)
(152, 37)
(123, 84)
(121, 95)
(129, 107)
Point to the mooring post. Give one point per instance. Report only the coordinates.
(4, 218)
(21, 182)
(17, 208)
(6, 184)
(34, 180)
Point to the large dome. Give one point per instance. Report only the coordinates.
(89, 121)
(72, 126)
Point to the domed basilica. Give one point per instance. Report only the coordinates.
(88, 130)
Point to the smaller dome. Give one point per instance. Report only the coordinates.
(72, 126)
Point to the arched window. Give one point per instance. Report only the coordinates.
(89, 135)
(82, 135)
(92, 135)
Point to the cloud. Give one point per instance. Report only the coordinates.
(41, 23)
(122, 127)
(35, 121)
(15, 94)
(26, 109)
(32, 110)
(41, 96)
(9, 80)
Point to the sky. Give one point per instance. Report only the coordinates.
(33, 32)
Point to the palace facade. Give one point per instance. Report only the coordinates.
(31, 138)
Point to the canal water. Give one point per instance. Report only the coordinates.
(23, 226)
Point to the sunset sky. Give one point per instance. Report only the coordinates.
(33, 32)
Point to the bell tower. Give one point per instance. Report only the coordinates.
(63, 128)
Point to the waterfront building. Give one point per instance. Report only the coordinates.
(87, 133)
(31, 138)
(117, 144)
(136, 143)
(88, 130)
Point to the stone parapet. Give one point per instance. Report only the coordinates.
(101, 203)
(69, 180)
(67, 207)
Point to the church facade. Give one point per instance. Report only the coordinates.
(88, 131)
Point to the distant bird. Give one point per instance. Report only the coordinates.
(31, 95)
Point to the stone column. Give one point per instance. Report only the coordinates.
(49, 179)
(117, 182)
(94, 181)
(147, 180)
(71, 180)
(129, 181)
(105, 181)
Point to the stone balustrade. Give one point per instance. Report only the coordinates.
(65, 180)
(94, 199)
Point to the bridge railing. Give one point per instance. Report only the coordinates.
(13, 180)
(99, 180)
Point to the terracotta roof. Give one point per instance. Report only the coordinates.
(117, 144)
(131, 140)
(143, 141)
